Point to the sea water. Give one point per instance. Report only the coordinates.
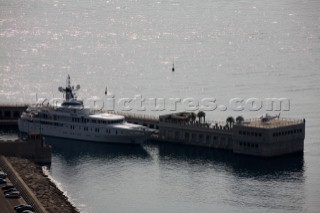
(222, 50)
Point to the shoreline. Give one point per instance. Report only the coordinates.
(46, 173)
(43, 187)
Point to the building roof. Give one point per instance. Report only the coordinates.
(273, 123)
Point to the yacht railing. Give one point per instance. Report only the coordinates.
(135, 115)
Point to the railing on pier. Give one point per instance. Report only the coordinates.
(217, 125)
(8, 105)
(275, 123)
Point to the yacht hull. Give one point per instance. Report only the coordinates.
(25, 127)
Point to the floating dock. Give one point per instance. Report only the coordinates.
(256, 137)
(267, 139)
(275, 137)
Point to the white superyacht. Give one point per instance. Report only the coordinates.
(74, 121)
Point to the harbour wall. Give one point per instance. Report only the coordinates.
(196, 134)
(267, 139)
(9, 114)
(33, 148)
(268, 142)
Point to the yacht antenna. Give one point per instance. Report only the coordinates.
(69, 92)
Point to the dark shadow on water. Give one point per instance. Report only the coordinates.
(240, 165)
(73, 150)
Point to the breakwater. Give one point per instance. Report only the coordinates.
(35, 187)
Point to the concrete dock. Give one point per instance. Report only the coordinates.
(33, 147)
(9, 114)
(255, 137)
(275, 137)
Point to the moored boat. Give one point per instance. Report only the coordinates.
(72, 120)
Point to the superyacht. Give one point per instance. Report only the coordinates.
(72, 120)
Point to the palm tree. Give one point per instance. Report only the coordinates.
(239, 119)
(201, 114)
(193, 117)
(230, 121)
(204, 116)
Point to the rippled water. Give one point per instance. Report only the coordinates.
(175, 179)
(221, 50)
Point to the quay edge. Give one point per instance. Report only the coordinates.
(33, 147)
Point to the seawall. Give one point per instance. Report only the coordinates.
(35, 187)
(32, 148)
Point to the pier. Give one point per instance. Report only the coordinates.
(9, 114)
(33, 147)
(256, 137)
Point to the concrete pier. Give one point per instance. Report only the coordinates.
(252, 137)
(267, 139)
(32, 147)
(9, 114)
(195, 134)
